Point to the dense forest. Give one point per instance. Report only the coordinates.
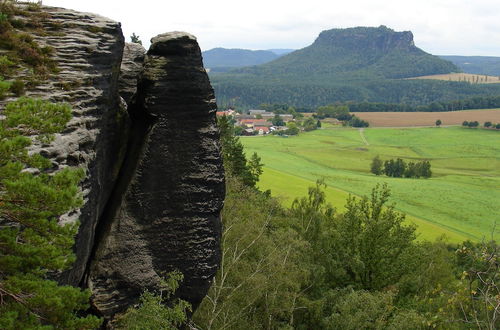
(251, 91)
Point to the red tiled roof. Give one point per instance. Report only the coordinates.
(263, 128)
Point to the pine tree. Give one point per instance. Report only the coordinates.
(135, 39)
(32, 243)
(235, 161)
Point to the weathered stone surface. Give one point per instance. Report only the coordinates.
(154, 186)
(165, 212)
(131, 68)
(88, 51)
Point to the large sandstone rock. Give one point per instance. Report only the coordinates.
(165, 211)
(88, 50)
(154, 186)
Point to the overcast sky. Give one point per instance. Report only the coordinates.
(441, 27)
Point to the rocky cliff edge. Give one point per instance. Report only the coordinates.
(154, 186)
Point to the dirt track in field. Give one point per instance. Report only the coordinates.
(406, 119)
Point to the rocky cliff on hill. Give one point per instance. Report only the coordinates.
(154, 186)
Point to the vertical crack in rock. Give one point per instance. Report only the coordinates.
(164, 214)
(154, 183)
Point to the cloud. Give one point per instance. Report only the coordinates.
(439, 26)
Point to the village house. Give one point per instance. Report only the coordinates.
(262, 129)
(227, 113)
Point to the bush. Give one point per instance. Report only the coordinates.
(473, 123)
(17, 87)
(4, 88)
(358, 122)
(152, 313)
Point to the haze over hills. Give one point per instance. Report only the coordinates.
(488, 65)
(223, 59)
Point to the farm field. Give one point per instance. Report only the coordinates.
(459, 76)
(408, 119)
(461, 200)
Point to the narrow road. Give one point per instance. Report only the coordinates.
(362, 134)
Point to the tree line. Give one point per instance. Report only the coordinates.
(249, 91)
(475, 123)
(398, 168)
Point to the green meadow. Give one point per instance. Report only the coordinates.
(461, 200)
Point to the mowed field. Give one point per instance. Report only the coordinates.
(461, 200)
(409, 119)
(469, 77)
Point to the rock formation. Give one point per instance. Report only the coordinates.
(131, 68)
(154, 186)
(88, 51)
(166, 215)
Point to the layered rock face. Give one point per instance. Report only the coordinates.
(131, 68)
(88, 51)
(154, 186)
(165, 215)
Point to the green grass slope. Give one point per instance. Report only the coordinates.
(461, 200)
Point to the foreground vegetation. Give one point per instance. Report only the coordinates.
(309, 266)
(460, 199)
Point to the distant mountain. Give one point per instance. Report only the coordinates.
(355, 64)
(487, 65)
(223, 59)
(354, 53)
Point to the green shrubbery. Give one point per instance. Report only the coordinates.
(310, 267)
(20, 50)
(474, 124)
(157, 310)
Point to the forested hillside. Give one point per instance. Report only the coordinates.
(356, 53)
(488, 65)
(356, 64)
